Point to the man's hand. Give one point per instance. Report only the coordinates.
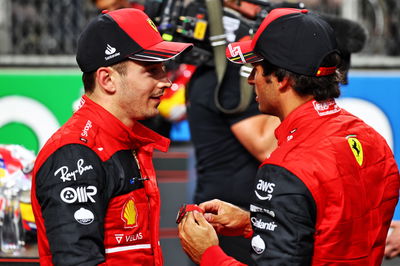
(196, 235)
(392, 248)
(227, 219)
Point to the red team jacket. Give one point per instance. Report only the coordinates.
(94, 192)
(345, 183)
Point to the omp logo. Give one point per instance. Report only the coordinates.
(264, 187)
(110, 50)
(263, 225)
(129, 214)
(66, 175)
(86, 128)
(80, 194)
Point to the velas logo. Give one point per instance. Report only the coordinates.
(111, 52)
(151, 23)
(129, 213)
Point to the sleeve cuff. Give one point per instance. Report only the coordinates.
(248, 234)
(212, 256)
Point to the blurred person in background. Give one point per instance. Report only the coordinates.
(111, 5)
(327, 194)
(229, 147)
(94, 190)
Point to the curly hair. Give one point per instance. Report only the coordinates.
(322, 88)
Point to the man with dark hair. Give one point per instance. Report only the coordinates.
(94, 189)
(327, 194)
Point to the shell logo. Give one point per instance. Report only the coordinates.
(129, 213)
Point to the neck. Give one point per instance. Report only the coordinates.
(290, 101)
(112, 108)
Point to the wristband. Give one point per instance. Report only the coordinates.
(187, 208)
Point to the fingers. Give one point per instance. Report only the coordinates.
(211, 206)
(199, 218)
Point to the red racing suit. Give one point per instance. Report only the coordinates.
(94, 192)
(326, 195)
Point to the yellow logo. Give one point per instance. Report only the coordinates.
(152, 24)
(129, 214)
(356, 148)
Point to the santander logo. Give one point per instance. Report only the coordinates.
(110, 50)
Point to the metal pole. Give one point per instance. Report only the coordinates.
(5, 27)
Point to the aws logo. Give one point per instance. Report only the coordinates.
(265, 189)
(129, 213)
(356, 148)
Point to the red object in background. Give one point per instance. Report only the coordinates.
(8, 163)
(173, 103)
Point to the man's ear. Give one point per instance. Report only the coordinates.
(105, 78)
(285, 84)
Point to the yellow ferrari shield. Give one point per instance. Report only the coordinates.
(152, 24)
(356, 148)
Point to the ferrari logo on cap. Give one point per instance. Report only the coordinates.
(356, 148)
(152, 24)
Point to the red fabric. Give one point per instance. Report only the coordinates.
(215, 256)
(142, 30)
(112, 135)
(355, 204)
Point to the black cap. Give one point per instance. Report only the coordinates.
(292, 39)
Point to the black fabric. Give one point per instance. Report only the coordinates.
(225, 169)
(283, 215)
(72, 178)
(93, 41)
(297, 42)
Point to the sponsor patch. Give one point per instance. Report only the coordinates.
(84, 216)
(128, 238)
(258, 244)
(151, 23)
(260, 224)
(356, 148)
(254, 208)
(86, 129)
(326, 107)
(264, 190)
(80, 194)
(66, 175)
(129, 213)
(119, 237)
